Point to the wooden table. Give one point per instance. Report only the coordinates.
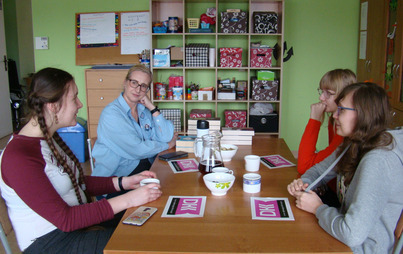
(227, 225)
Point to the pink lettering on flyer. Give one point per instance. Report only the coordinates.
(186, 165)
(277, 161)
(267, 209)
(189, 206)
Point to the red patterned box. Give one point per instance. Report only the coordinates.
(200, 113)
(235, 118)
(231, 57)
(260, 57)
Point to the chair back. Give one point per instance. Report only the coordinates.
(91, 143)
(5, 226)
(398, 249)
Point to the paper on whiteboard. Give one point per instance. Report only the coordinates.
(97, 28)
(135, 32)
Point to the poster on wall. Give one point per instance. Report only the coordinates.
(97, 30)
(135, 32)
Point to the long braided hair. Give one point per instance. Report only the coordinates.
(49, 85)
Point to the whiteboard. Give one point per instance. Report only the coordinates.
(135, 32)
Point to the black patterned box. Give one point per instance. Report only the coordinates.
(234, 22)
(264, 123)
(197, 55)
(173, 114)
(265, 22)
(264, 90)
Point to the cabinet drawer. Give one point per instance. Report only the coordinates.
(93, 114)
(107, 79)
(101, 98)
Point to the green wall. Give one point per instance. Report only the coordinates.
(324, 35)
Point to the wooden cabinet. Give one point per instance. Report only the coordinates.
(208, 76)
(102, 87)
(372, 41)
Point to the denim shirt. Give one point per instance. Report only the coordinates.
(122, 142)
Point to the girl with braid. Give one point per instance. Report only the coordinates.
(42, 182)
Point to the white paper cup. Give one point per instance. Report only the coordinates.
(251, 183)
(252, 163)
(222, 170)
(148, 181)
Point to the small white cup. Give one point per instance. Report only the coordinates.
(222, 170)
(251, 183)
(252, 163)
(148, 181)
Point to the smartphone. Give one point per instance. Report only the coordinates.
(173, 156)
(140, 216)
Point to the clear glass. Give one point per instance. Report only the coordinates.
(211, 152)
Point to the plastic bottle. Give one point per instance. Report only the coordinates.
(202, 129)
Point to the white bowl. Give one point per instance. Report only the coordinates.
(219, 183)
(228, 154)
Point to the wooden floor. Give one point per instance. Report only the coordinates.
(86, 165)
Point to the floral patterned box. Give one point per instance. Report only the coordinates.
(260, 57)
(231, 57)
(235, 118)
(264, 90)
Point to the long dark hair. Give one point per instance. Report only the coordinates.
(373, 118)
(49, 86)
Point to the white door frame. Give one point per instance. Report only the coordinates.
(6, 122)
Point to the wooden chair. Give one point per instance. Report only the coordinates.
(7, 235)
(91, 143)
(398, 249)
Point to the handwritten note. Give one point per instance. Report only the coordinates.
(135, 32)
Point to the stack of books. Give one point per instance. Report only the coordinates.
(214, 125)
(185, 143)
(237, 136)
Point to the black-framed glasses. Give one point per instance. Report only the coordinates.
(340, 109)
(134, 84)
(326, 93)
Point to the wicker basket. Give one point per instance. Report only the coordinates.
(193, 22)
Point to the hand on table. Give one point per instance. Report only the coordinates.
(308, 201)
(296, 186)
(143, 194)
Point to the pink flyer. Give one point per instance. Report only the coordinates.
(183, 166)
(185, 206)
(275, 161)
(271, 209)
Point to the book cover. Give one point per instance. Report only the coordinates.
(185, 141)
(211, 120)
(236, 137)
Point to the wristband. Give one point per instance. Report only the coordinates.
(155, 110)
(120, 183)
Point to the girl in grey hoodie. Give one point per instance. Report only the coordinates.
(369, 175)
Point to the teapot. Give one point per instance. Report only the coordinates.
(210, 154)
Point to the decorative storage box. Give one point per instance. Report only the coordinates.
(235, 118)
(260, 57)
(200, 113)
(264, 90)
(264, 123)
(197, 55)
(234, 22)
(173, 114)
(231, 57)
(265, 22)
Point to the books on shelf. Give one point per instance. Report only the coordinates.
(247, 131)
(237, 136)
(185, 143)
(213, 121)
(194, 132)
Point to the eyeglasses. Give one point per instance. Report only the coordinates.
(341, 109)
(134, 84)
(326, 93)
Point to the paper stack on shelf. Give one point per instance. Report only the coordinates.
(214, 124)
(185, 143)
(237, 136)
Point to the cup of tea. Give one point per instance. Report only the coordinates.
(222, 170)
(148, 181)
(252, 163)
